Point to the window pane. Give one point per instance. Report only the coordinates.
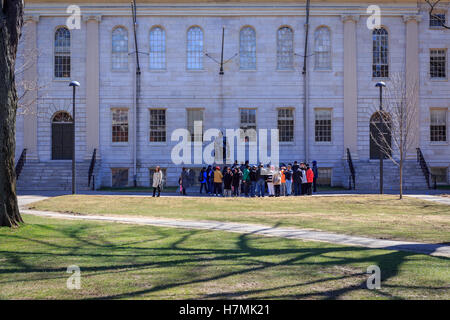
(248, 122)
(119, 177)
(438, 125)
(120, 49)
(157, 49)
(193, 116)
(323, 125)
(286, 125)
(380, 66)
(322, 49)
(247, 49)
(285, 49)
(438, 63)
(157, 125)
(437, 19)
(119, 125)
(62, 53)
(195, 49)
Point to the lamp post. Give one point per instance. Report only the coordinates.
(381, 85)
(74, 85)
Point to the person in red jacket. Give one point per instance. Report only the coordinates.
(310, 179)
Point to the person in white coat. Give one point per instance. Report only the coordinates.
(157, 181)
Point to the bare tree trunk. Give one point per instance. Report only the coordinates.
(401, 178)
(11, 20)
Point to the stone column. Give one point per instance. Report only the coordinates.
(412, 73)
(92, 84)
(350, 86)
(30, 85)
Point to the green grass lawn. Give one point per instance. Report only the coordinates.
(120, 261)
(378, 216)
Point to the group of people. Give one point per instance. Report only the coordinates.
(251, 181)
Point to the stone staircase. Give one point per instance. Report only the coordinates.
(55, 176)
(368, 175)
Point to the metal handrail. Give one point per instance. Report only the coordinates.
(352, 176)
(91, 169)
(424, 166)
(21, 163)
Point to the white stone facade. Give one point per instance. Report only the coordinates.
(175, 89)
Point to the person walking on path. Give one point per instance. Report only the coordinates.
(246, 180)
(288, 177)
(283, 181)
(260, 182)
(276, 180)
(227, 182)
(297, 178)
(184, 181)
(218, 182)
(309, 179)
(236, 182)
(210, 179)
(202, 179)
(157, 181)
(304, 181)
(269, 180)
(253, 178)
(316, 175)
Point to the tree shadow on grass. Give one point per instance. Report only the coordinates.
(246, 258)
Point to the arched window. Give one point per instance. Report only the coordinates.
(322, 49)
(62, 53)
(62, 117)
(120, 49)
(195, 48)
(285, 49)
(380, 65)
(247, 49)
(157, 48)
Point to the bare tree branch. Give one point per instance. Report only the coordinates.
(399, 118)
(433, 4)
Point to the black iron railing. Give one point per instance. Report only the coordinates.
(21, 163)
(91, 170)
(425, 169)
(352, 176)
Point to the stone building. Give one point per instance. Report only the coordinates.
(320, 116)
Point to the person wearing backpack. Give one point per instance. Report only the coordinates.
(202, 180)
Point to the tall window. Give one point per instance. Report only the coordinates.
(438, 63)
(247, 49)
(157, 48)
(248, 122)
(119, 177)
(194, 115)
(157, 125)
(322, 49)
(437, 20)
(323, 125)
(285, 49)
(119, 125)
(380, 66)
(120, 49)
(438, 125)
(286, 124)
(62, 53)
(195, 48)
(441, 174)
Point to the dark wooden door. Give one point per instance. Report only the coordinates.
(378, 145)
(62, 141)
